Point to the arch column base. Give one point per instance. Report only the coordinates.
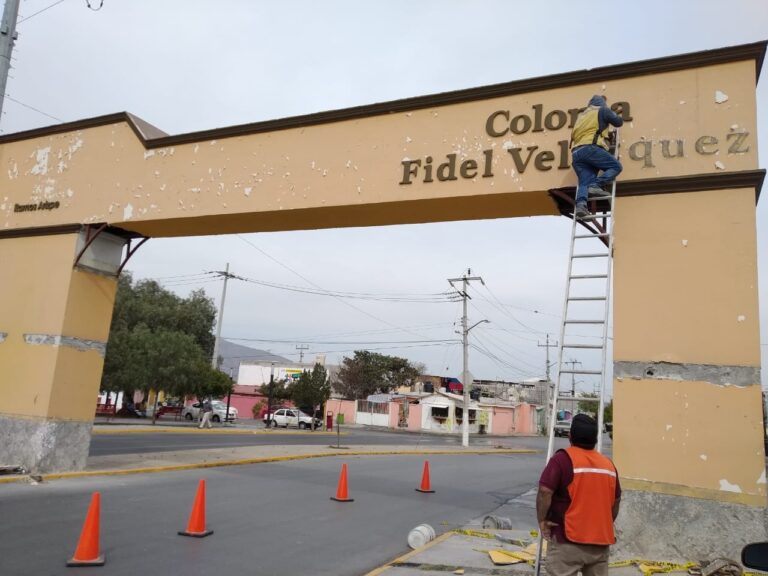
(679, 528)
(44, 445)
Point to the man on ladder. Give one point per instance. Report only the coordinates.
(577, 502)
(589, 152)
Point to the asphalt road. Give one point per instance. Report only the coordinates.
(273, 518)
(110, 444)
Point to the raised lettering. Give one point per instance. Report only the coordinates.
(410, 168)
(521, 164)
(537, 110)
(542, 160)
(488, 171)
(561, 118)
(515, 124)
(622, 109)
(428, 169)
(468, 169)
(665, 151)
(564, 145)
(573, 113)
(447, 170)
(705, 141)
(736, 147)
(489, 128)
(646, 154)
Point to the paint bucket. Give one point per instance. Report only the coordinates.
(497, 523)
(420, 535)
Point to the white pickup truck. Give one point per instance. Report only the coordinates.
(291, 418)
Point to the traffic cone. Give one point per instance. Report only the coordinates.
(341, 491)
(196, 524)
(87, 552)
(425, 487)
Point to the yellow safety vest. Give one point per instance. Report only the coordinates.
(585, 130)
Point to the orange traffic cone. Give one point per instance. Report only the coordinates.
(425, 487)
(87, 552)
(196, 524)
(341, 491)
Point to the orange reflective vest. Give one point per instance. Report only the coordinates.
(589, 518)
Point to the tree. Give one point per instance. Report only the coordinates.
(311, 389)
(370, 373)
(591, 407)
(588, 406)
(608, 411)
(161, 341)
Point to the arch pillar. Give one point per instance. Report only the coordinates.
(54, 327)
(688, 441)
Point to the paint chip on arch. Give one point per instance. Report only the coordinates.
(726, 486)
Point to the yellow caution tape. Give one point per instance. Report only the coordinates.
(648, 567)
(466, 532)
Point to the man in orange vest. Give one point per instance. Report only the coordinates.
(577, 502)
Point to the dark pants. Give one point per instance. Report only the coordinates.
(588, 162)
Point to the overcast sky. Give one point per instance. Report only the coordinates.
(191, 65)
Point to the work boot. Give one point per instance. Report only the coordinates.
(597, 192)
(581, 210)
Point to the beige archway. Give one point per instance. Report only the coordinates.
(687, 356)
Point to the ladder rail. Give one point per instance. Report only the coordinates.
(609, 274)
(556, 391)
(609, 219)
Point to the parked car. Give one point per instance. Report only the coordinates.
(290, 417)
(193, 412)
(263, 411)
(563, 428)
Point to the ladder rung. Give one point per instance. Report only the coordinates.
(585, 298)
(595, 255)
(587, 276)
(580, 236)
(585, 321)
(586, 346)
(574, 371)
(596, 216)
(577, 399)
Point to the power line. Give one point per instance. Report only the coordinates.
(349, 304)
(39, 12)
(343, 342)
(434, 298)
(33, 108)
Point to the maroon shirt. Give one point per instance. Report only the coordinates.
(557, 476)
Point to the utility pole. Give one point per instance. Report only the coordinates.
(548, 407)
(573, 363)
(215, 359)
(547, 346)
(7, 39)
(269, 396)
(465, 280)
(301, 349)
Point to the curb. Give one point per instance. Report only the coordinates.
(196, 430)
(246, 461)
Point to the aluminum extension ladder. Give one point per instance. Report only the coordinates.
(586, 305)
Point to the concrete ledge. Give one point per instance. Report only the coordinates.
(680, 528)
(43, 445)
